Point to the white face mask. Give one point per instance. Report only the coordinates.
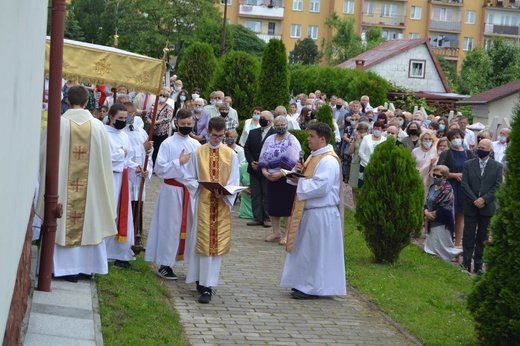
(218, 102)
(502, 139)
(178, 88)
(162, 99)
(457, 142)
(194, 96)
(427, 145)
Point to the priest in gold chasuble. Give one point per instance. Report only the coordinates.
(210, 237)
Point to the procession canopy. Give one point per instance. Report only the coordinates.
(92, 63)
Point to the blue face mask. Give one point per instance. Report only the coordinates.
(352, 122)
(256, 117)
(197, 109)
(438, 181)
(182, 97)
(401, 122)
(129, 119)
(442, 127)
(427, 122)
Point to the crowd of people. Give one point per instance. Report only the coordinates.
(195, 141)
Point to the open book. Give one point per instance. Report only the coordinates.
(226, 190)
(290, 174)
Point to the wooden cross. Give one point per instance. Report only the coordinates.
(77, 185)
(79, 152)
(74, 217)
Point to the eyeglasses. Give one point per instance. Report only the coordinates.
(437, 175)
(216, 136)
(480, 138)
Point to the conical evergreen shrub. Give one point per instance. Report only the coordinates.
(389, 207)
(273, 82)
(495, 298)
(324, 115)
(197, 66)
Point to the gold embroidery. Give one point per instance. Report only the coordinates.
(102, 67)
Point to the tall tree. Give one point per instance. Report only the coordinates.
(345, 42)
(197, 66)
(88, 14)
(374, 37)
(305, 52)
(450, 71)
(475, 72)
(273, 82)
(246, 40)
(506, 61)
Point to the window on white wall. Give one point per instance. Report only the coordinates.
(470, 17)
(348, 7)
(296, 30)
(254, 26)
(297, 5)
(416, 12)
(417, 68)
(368, 8)
(314, 6)
(468, 43)
(413, 35)
(312, 32)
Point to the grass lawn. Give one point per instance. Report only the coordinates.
(135, 308)
(420, 292)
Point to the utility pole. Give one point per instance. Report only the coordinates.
(224, 28)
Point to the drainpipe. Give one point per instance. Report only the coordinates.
(53, 209)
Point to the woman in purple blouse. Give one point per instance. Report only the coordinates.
(280, 151)
(200, 121)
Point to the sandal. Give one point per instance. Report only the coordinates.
(283, 242)
(271, 238)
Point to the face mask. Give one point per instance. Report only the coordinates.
(184, 130)
(352, 122)
(418, 122)
(502, 139)
(482, 153)
(438, 181)
(263, 122)
(427, 145)
(413, 132)
(197, 109)
(120, 124)
(338, 107)
(162, 99)
(427, 122)
(230, 141)
(370, 119)
(129, 119)
(178, 88)
(218, 102)
(442, 127)
(120, 94)
(182, 97)
(256, 117)
(313, 100)
(280, 130)
(457, 142)
(212, 102)
(377, 133)
(222, 114)
(401, 122)
(194, 96)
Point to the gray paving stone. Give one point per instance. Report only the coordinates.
(69, 327)
(61, 311)
(52, 340)
(64, 298)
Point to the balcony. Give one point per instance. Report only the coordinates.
(446, 52)
(262, 9)
(505, 30)
(444, 25)
(458, 3)
(383, 20)
(267, 37)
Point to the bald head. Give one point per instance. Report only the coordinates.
(392, 130)
(281, 110)
(485, 144)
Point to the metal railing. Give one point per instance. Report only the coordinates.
(384, 20)
(446, 52)
(444, 25)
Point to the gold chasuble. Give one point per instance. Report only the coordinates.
(298, 206)
(214, 215)
(79, 158)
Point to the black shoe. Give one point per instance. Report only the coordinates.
(69, 278)
(83, 276)
(254, 223)
(206, 296)
(125, 265)
(300, 295)
(479, 271)
(201, 289)
(463, 267)
(166, 273)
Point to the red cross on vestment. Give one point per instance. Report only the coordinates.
(79, 152)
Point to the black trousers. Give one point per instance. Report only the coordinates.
(475, 234)
(259, 204)
(157, 140)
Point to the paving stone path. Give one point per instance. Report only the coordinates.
(249, 307)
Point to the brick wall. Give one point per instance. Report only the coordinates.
(21, 292)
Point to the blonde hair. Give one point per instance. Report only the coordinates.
(445, 171)
(424, 133)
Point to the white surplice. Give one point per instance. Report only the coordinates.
(164, 234)
(119, 143)
(205, 269)
(137, 138)
(100, 214)
(316, 264)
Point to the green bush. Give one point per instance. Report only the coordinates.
(324, 115)
(302, 135)
(495, 298)
(236, 76)
(389, 207)
(273, 82)
(345, 83)
(197, 66)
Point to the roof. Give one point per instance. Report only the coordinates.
(494, 94)
(390, 49)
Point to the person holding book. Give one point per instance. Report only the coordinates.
(210, 237)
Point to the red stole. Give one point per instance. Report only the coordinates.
(185, 204)
(122, 218)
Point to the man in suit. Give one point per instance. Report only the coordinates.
(481, 178)
(258, 183)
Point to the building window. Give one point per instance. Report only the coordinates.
(348, 7)
(312, 32)
(314, 6)
(271, 28)
(368, 8)
(416, 12)
(470, 17)
(389, 10)
(297, 5)
(417, 68)
(255, 27)
(413, 35)
(228, 2)
(296, 30)
(468, 43)
(444, 14)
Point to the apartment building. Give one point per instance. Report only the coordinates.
(453, 27)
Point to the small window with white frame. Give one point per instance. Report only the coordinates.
(413, 35)
(417, 68)
(416, 12)
(312, 32)
(296, 30)
(348, 7)
(255, 27)
(297, 5)
(468, 43)
(314, 6)
(470, 17)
